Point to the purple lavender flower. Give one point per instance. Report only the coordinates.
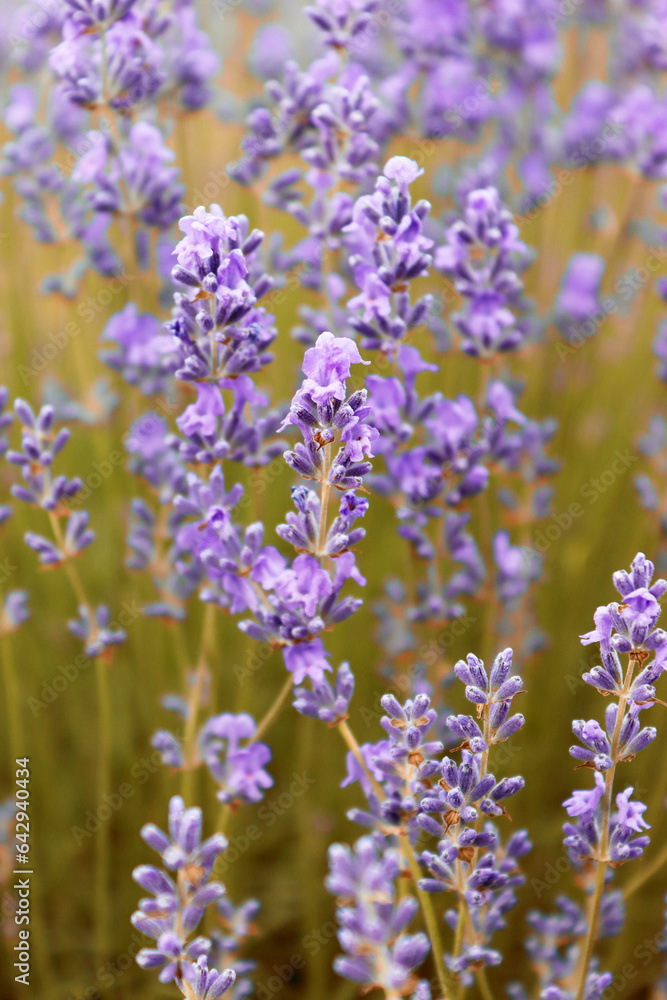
(630, 813)
(237, 925)
(518, 567)
(175, 908)
(15, 610)
(377, 951)
(579, 296)
(40, 445)
(143, 354)
(98, 634)
(389, 250)
(237, 767)
(201, 983)
(326, 417)
(490, 284)
(219, 329)
(586, 803)
(342, 22)
(330, 704)
(134, 180)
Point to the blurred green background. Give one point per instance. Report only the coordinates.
(601, 393)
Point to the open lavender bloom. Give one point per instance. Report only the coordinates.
(236, 766)
(326, 416)
(329, 114)
(15, 610)
(141, 352)
(218, 326)
(330, 704)
(388, 251)
(236, 925)
(294, 602)
(342, 23)
(96, 632)
(97, 103)
(135, 179)
(242, 429)
(226, 744)
(109, 67)
(628, 628)
(438, 454)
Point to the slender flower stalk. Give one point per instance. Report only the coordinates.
(196, 696)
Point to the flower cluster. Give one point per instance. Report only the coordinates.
(112, 65)
(625, 629)
(378, 952)
(388, 250)
(176, 905)
(606, 829)
(470, 859)
(483, 255)
(41, 443)
(226, 744)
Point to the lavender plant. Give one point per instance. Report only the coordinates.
(390, 225)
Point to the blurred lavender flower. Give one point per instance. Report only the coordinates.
(483, 255)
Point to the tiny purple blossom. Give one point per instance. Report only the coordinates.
(630, 813)
(307, 659)
(584, 803)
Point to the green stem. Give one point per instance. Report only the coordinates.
(14, 707)
(104, 754)
(324, 501)
(483, 984)
(647, 873)
(596, 902)
(224, 817)
(17, 748)
(189, 750)
(603, 860)
(103, 782)
(275, 708)
(446, 980)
